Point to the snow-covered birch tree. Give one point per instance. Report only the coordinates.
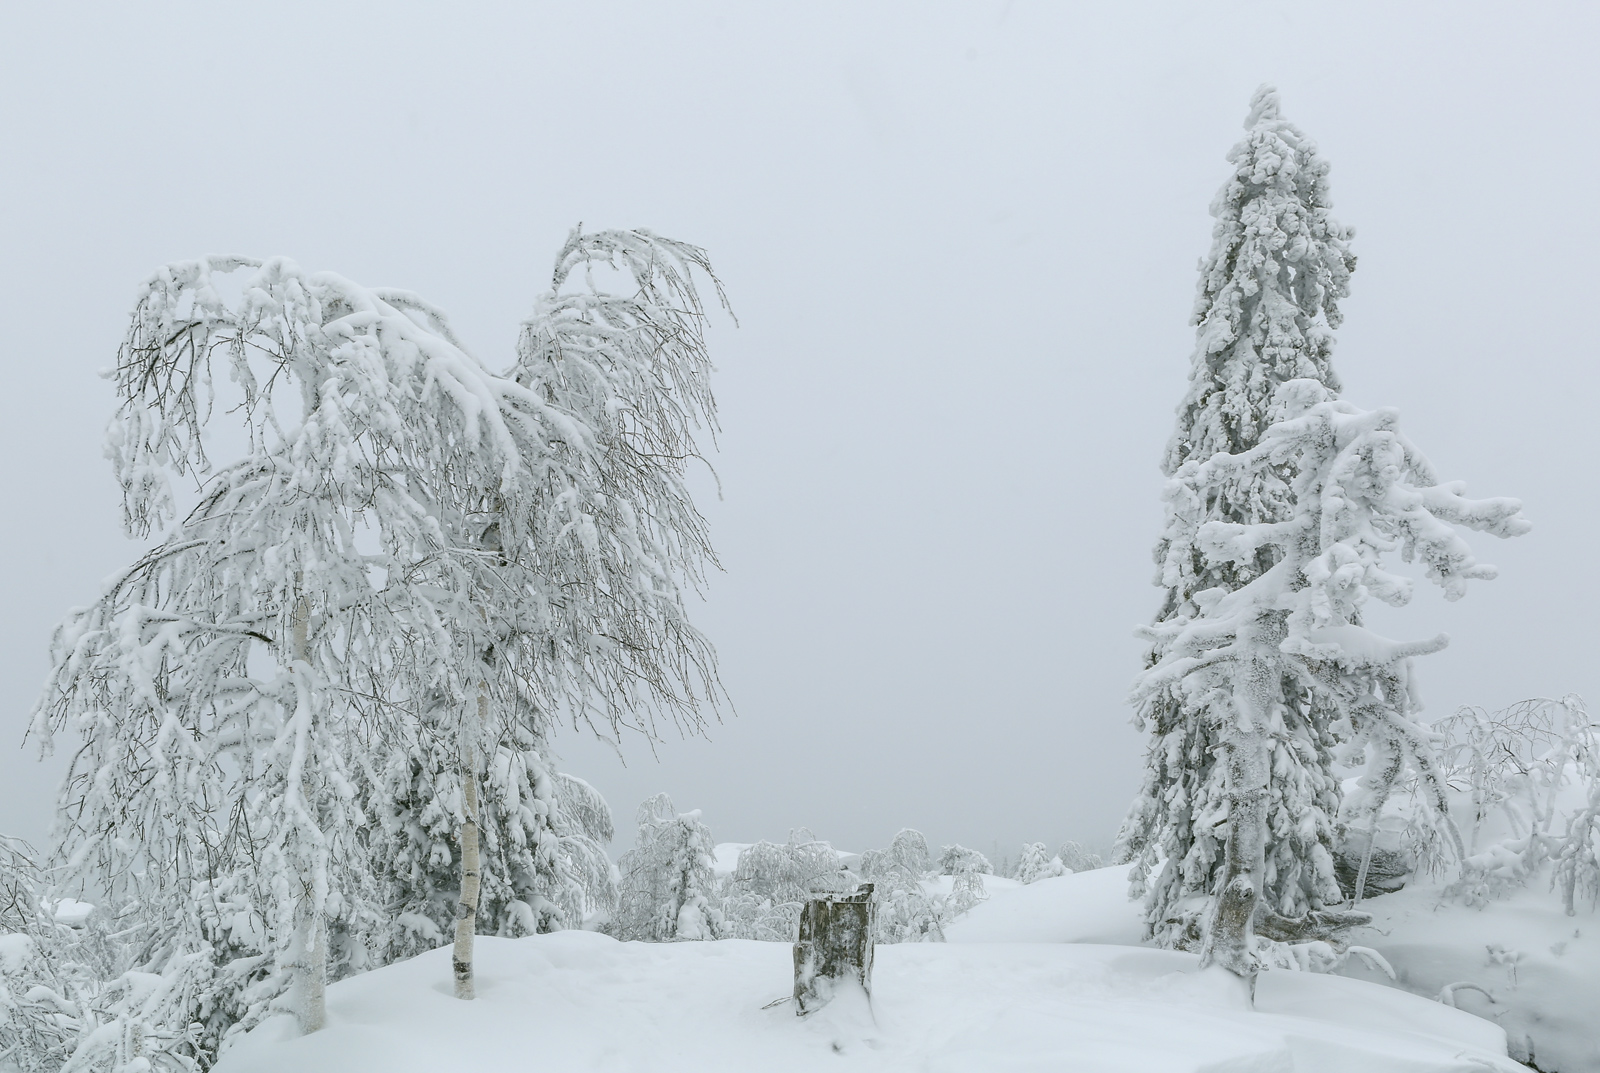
(570, 574)
(40, 1020)
(406, 534)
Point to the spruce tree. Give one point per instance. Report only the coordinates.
(1282, 503)
(668, 890)
(1267, 304)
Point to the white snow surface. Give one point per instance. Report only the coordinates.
(1527, 966)
(1539, 969)
(1080, 907)
(71, 911)
(582, 1001)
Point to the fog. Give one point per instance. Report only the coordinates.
(960, 241)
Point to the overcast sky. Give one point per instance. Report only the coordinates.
(961, 242)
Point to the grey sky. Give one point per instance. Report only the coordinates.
(961, 242)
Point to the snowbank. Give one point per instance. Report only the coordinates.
(1538, 969)
(579, 1000)
(1519, 962)
(1081, 907)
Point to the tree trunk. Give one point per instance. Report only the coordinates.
(467, 907)
(308, 956)
(309, 964)
(1249, 770)
(835, 946)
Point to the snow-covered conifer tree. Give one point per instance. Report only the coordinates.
(543, 863)
(1240, 798)
(1267, 304)
(1036, 863)
(668, 888)
(1257, 663)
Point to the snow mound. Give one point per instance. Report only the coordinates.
(1525, 965)
(1081, 907)
(579, 1000)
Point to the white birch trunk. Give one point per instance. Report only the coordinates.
(467, 907)
(308, 964)
(308, 952)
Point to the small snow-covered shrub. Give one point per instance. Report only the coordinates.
(955, 860)
(1526, 780)
(1078, 859)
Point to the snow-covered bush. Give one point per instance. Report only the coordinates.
(1526, 786)
(1078, 859)
(957, 860)
(910, 908)
(668, 890)
(772, 881)
(906, 912)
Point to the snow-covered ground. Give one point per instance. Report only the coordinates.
(581, 1001)
(1018, 987)
(1518, 961)
(1531, 968)
(1082, 907)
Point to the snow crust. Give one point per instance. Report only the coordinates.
(580, 1000)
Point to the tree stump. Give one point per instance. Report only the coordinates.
(835, 946)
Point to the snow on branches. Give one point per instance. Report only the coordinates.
(1268, 295)
(1281, 505)
(1257, 658)
(413, 556)
(1528, 778)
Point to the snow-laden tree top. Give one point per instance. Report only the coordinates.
(1269, 290)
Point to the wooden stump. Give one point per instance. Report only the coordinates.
(835, 947)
